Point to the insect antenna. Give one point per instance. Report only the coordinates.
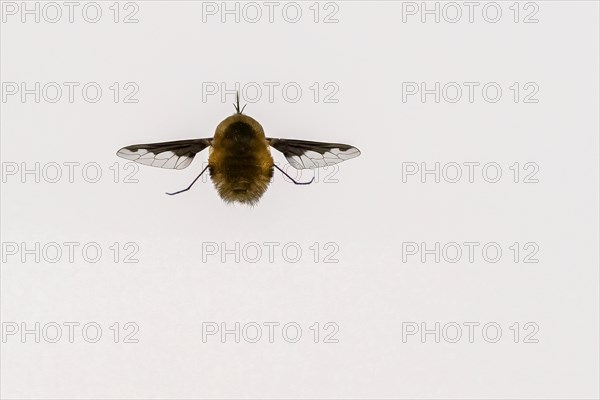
(237, 104)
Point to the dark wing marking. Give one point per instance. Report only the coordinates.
(172, 155)
(302, 154)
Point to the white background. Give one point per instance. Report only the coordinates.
(368, 213)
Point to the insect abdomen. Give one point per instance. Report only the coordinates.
(241, 166)
(243, 180)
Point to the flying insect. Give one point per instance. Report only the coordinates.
(239, 162)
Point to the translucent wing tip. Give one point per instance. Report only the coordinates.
(132, 155)
(167, 159)
(311, 159)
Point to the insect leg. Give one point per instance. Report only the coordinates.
(292, 179)
(191, 184)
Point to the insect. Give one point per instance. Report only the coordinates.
(239, 162)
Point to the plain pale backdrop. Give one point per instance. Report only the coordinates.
(368, 213)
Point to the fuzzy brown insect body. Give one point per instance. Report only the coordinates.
(240, 162)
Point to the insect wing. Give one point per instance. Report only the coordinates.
(303, 154)
(171, 155)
